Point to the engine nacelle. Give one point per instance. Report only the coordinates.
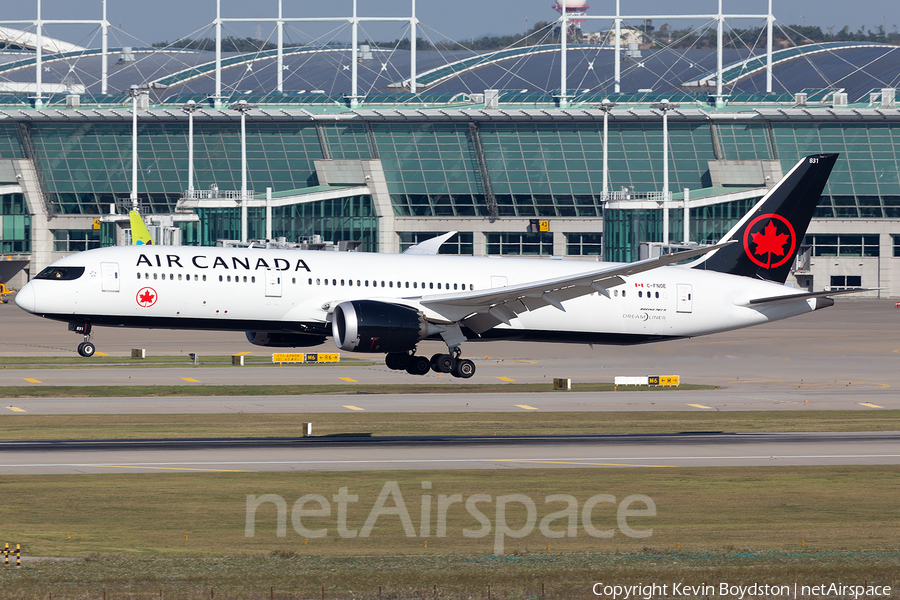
(277, 339)
(371, 326)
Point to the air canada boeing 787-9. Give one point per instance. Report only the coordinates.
(387, 304)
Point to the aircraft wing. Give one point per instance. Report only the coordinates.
(499, 305)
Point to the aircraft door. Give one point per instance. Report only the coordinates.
(685, 298)
(273, 284)
(109, 277)
(498, 281)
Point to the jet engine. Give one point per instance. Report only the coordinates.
(278, 339)
(371, 326)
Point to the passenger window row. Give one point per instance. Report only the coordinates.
(180, 277)
(390, 284)
(319, 281)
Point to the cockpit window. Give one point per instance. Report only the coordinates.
(61, 273)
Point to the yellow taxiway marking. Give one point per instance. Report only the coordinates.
(348, 380)
(351, 407)
(242, 353)
(699, 406)
(505, 379)
(163, 468)
(526, 407)
(15, 409)
(189, 380)
(589, 464)
(870, 405)
(30, 380)
(101, 354)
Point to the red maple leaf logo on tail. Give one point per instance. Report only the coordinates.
(770, 242)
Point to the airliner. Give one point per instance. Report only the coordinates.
(389, 303)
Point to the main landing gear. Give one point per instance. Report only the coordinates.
(439, 363)
(85, 348)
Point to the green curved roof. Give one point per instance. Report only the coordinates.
(745, 68)
(30, 62)
(440, 74)
(198, 71)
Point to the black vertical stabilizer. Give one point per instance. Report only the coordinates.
(769, 236)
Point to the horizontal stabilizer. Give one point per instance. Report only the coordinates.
(806, 296)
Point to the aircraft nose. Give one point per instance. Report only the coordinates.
(25, 298)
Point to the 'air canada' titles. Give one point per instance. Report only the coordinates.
(202, 261)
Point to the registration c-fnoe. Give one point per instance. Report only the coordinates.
(388, 303)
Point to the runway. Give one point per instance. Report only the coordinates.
(846, 357)
(736, 398)
(854, 344)
(439, 453)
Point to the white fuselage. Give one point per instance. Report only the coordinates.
(182, 287)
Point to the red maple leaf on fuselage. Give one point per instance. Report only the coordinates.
(146, 297)
(770, 242)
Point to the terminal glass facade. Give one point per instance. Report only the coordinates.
(459, 244)
(431, 169)
(520, 244)
(75, 240)
(530, 169)
(15, 224)
(9, 142)
(625, 229)
(86, 167)
(350, 219)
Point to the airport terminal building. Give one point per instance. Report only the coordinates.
(516, 173)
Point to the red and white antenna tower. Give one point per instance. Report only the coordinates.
(574, 9)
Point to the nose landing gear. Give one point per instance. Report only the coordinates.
(85, 348)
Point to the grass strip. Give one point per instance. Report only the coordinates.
(15, 427)
(288, 575)
(129, 391)
(754, 509)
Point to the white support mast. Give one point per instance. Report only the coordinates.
(769, 20)
(719, 45)
(618, 51)
(104, 53)
(664, 106)
(412, 48)
(218, 98)
(563, 66)
(354, 58)
(39, 49)
(280, 61)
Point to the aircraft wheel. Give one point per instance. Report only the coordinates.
(86, 349)
(402, 360)
(442, 363)
(418, 365)
(465, 368)
(397, 360)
